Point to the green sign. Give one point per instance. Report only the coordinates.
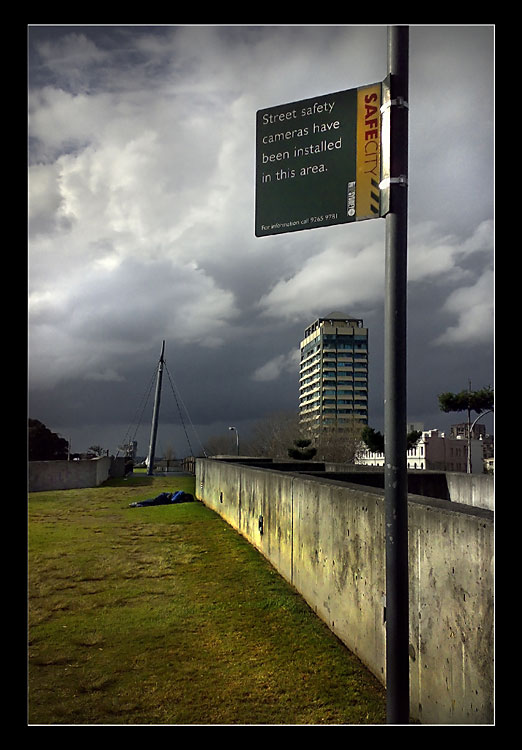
(318, 161)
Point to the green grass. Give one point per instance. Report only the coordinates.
(165, 615)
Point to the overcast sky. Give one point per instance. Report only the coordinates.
(141, 225)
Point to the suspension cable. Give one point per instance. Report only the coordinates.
(140, 411)
(178, 400)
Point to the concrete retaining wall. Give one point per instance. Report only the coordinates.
(471, 489)
(72, 475)
(327, 539)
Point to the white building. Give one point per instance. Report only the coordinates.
(435, 452)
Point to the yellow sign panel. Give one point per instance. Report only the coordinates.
(368, 166)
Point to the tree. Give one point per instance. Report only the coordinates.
(339, 444)
(170, 453)
(477, 401)
(302, 450)
(217, 445)
(375, 440)
(271, 436)
(412, 438)
(45, 445)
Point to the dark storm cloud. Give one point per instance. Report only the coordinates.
(451, 126)
(142, 151)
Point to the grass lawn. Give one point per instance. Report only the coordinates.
(165, 615)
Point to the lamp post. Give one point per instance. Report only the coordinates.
(237, 438)
(470, 432)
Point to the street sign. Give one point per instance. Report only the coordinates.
(318, 161)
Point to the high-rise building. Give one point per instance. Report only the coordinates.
(333, 388)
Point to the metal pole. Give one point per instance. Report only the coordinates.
(468, 461)
(470, 430)
(155, 414)
(395, 474)
(237, 438)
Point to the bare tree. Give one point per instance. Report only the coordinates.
(219, 445)
(273, 435)
(339, 444)
(170, 453)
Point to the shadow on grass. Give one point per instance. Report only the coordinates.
(144, 480)
(132, 480)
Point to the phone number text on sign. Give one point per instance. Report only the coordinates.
(301, 224)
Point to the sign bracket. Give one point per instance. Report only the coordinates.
(401, 180)
(398, 102)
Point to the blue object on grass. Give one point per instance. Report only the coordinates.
(165, 498)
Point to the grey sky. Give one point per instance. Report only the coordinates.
(141, 185)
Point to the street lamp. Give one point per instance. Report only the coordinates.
(470, 431)
(237, 438)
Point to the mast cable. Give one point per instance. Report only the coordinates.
(140, 410)
(181, 415)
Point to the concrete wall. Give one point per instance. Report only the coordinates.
(471, 489)
(70, 475)
(327, 539)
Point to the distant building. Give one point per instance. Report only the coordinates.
(434, 451)
(333, 387)
(461, 431)
(478, 433)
